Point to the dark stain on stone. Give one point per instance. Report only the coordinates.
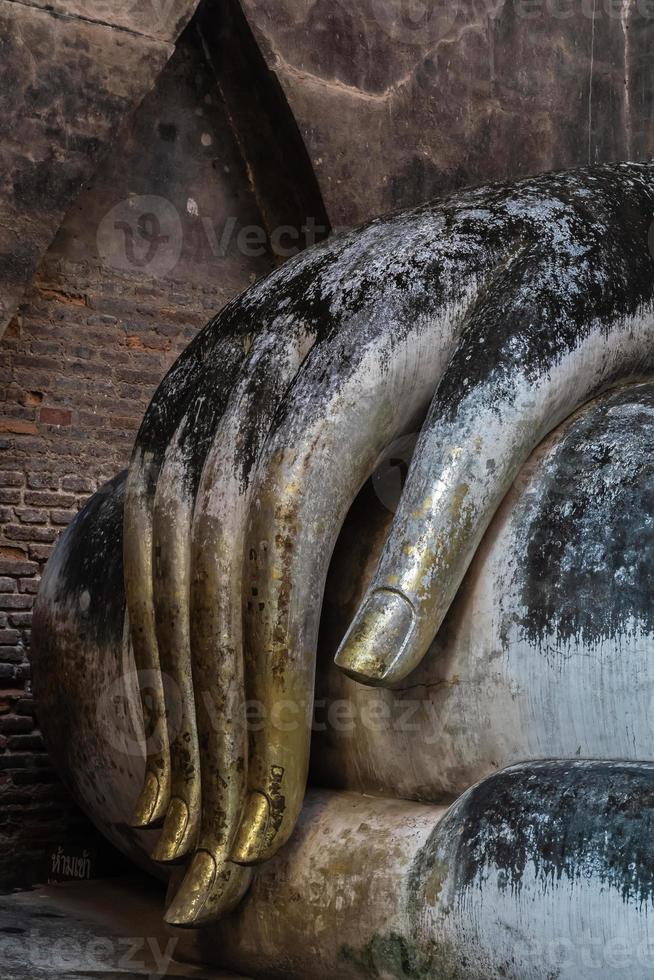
(581, 259)
(45, 185)
(588, 573)
(420, 179)
(167, 132)
(393, 955)
(17, 265)
(557, 821)
(91, 571)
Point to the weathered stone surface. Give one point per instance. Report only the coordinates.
(287, 190)
(163, 19)
(65, 86)
(178, 159)
(399, 102)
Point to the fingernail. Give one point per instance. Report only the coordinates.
(145, 811)
(186, 908)
(372, 651)
(211, 889)
(172, 845)
(251, 838)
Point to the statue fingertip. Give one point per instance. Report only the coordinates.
(210, 890)
(175, 841)
(150, 807)
(185, 911)
(376, 650)
(252, 837)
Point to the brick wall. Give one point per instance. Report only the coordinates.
(77, 368)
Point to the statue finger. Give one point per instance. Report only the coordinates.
(158, 427)
(352, 397)
(524, 363)
(213, 884)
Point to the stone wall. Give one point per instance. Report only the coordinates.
(70, 72)
(398, 102)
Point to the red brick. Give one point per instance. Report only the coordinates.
(9, 701)
(62, 516)
(19, 673)
(86, 370)
(9, 637)
(11, 554)
(24, 777)
(40, 552)
(26, 743)
(28, 515)
(9, 496)
(32, 363)
(15, 411)
(122, 422)
(20, 619)
(42, 481)
(18, 426)
(20, 532)
(18, 567)
(56, 416)
(101, 320)
(79, 484)
(43, 499)
(138, 377)
(24, 706)
(16, 601)
(16, 724)
(12, 655)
